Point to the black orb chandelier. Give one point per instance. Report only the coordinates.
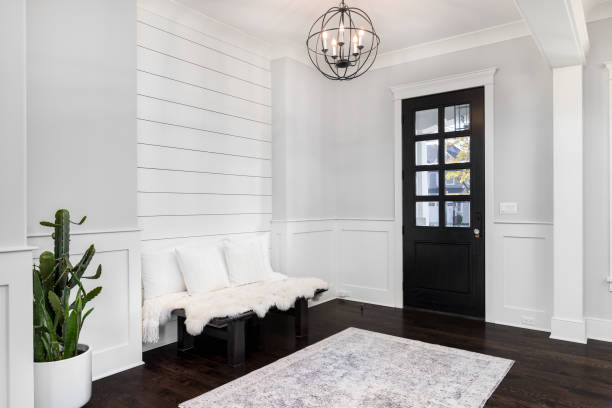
(342, 43)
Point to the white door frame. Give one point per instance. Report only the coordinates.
(449, 83)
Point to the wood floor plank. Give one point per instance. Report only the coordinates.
(547, 373)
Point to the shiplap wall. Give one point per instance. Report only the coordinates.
(204, 131)
(204, 127)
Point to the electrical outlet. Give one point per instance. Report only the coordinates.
(528, 320)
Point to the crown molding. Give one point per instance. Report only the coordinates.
(443, 84)
(491, 35)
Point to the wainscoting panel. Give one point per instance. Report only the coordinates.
(306, 248)
(523, 275)
(4, 345)
(204, 131)
(16, 367)
(366, 261)
(113, 330)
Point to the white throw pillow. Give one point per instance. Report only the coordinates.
(246, 261)
(161, 274)
(203, 268)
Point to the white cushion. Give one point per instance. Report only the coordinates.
(247, 261)
(203, 268)
(161, 274)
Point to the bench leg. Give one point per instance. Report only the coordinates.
(236, 342)
(184, 339)
(301, 317)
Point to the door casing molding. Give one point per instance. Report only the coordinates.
(484, 77)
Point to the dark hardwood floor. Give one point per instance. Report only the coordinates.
(547, 373)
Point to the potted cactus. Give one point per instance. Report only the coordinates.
(62, 366)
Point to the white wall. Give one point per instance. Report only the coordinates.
(304, 127)
(81, 155)
(362, 160)
(204, 130)
(16, 378)
(598, 298)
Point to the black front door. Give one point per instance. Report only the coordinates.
(443, 183)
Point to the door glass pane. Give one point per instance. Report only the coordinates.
(456, 118)
(426, 183)
(426, 122)
(457, 150)
(457, 213)
(457, 182)
(426, 152)
(427, 214)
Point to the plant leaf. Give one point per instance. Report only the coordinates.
(70, 335)
(92, 294)
(48, 224)
(55, 303)
(80, 222)
(96, 275)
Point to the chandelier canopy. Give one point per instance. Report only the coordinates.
(342, 43)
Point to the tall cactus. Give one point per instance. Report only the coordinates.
(57, 320)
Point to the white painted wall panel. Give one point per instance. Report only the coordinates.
(168, 66)
(523, 271)
(204, 129)
(151, 180)
(150, 205)
(166, 135)
(170, 44)
(200, 225)
(4, 346)
(205, 40)
(174, 91)
(188, 160)
(188, 116)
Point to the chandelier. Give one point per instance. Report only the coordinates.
(342, 43)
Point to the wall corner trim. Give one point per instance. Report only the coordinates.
(444, 84)
(609, 66)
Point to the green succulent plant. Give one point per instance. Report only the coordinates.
(58, 314)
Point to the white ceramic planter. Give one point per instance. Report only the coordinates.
(64, 383)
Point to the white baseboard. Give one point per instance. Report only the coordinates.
(117, 370)
(568, 330)
(598, 329)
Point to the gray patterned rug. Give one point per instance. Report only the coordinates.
(360, 368)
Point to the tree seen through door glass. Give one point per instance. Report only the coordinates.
(457, 150)
(457, 182)
(426, 122)
(456, 118)
(426, 152)
(427, 183)
(427, 214)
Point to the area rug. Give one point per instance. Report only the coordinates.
(360, 368)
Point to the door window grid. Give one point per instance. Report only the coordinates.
(453, 165)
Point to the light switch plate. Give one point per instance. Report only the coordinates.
(508, 208)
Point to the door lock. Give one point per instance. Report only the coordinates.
(476, 233)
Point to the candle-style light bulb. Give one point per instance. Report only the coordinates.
(341, 34)
(355, 48)
(324, 35)
(361, 33)
(334, 48)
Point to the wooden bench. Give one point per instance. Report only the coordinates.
(233, 329)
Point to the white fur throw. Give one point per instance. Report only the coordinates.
(202, 308)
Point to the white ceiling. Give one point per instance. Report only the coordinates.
(400, 23)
